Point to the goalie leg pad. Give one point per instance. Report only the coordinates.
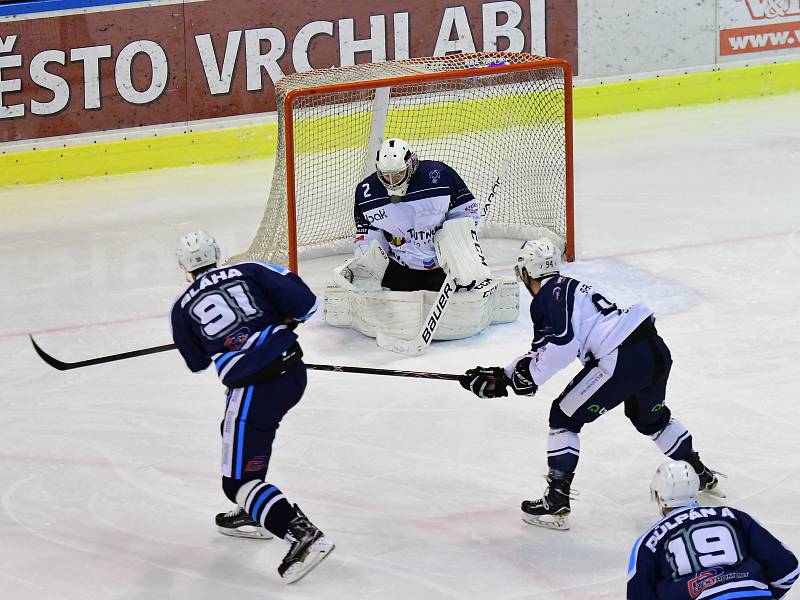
(506, 306)
(336, 305)
(400, 314)
(460, 253)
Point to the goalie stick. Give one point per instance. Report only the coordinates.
(420, 342)
(67, 366)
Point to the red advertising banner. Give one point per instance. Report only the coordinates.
(760, 38)
(172, 63)
(748, 26)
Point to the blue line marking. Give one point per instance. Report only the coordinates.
(27, 8)
(240, 432)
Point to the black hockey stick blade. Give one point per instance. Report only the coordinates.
(66, 366)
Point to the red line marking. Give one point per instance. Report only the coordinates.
(83, 326)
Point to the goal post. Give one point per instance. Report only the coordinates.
(471, 111)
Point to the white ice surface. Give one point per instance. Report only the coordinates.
(109, 475)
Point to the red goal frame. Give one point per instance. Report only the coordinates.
(543, 63)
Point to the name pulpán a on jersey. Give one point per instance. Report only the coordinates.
(676, 521)
(207, 281)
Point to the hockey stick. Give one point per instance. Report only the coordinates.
(420, 342)
(505, 166)
(67, 366)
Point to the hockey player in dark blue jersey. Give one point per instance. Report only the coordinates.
(624, 361)
(398, 210)
(242, 318)
(705, 553)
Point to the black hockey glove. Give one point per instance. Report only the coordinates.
(291, 324)
(485, 382)
(521, 380)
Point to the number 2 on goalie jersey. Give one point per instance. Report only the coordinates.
(221, 310)
(703, 547)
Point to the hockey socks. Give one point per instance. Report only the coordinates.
(674, 440)
(267, 505)
(563, 450)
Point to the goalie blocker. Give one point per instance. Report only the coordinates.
(356, 299)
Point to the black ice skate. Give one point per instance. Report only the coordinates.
(238, 523)
(309, 548)
(552, 509)
(709, 479)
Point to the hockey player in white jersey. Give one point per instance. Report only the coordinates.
(399, 209)
(625, 361)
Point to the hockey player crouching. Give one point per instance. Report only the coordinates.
(624, 360)
(399, 209)
(713, 552)
(242, 318)
(416, 225)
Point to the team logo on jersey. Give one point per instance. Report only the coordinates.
(435, 176)
(393, 240)
(236, 340)
(557, 295)
(429, 264)
(255, 464)
(378, 216)
(710, 577)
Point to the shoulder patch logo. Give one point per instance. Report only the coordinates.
(435, 176)
(557, 295)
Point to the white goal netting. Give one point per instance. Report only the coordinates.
(499, 107)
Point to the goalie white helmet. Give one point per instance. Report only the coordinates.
(538, 258)
(674, 484)
(395, 164)
(197, 249)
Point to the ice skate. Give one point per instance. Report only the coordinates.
(237, 523)
(552, 509)
(309, 548)
(709, 480)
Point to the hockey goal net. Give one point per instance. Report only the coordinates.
(476, 112)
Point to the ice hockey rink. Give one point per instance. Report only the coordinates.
(109, 475)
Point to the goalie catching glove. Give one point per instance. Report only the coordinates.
(364, 271)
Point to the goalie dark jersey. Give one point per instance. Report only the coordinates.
(709, 553)
(405, 229)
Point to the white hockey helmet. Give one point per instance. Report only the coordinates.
(674, 484)
(197, 249)
(395, 164)
(539, 258)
